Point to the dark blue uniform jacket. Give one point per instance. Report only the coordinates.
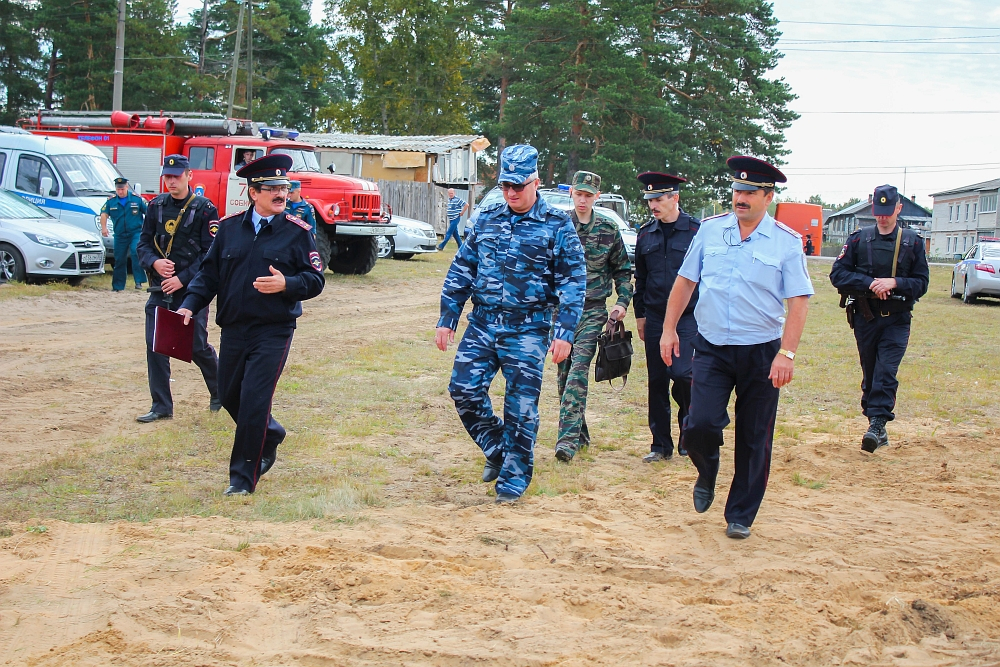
(659, 253)
(853, 271)
(238, 257)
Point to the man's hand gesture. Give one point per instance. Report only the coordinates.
(271, 284)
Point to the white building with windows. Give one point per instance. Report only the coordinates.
(963, 216)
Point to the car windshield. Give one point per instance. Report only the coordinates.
(302, 160)
(494, 196)
(87, 174)
(12, 206)
(991, 251)
(557, 199)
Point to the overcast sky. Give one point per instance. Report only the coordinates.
(894, 67)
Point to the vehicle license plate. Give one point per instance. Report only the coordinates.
(89, 257)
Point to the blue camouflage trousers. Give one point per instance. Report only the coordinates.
(514, 343)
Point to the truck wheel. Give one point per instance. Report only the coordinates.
(11, 264)
(355, 255)
(323, 246)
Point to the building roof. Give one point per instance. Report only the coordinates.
(975, 187)
(434, 144)
(911, 210)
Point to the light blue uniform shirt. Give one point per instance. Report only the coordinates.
(258, 221)
(743, 285)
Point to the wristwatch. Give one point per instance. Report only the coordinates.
(787, 353)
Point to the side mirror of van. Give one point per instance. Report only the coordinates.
(45, 187)
(331, 168)
(137, 188)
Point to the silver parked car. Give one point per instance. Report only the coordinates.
(412, 237)
(978, 274)
(36, 246)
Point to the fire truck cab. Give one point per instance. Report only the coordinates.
(348, 210)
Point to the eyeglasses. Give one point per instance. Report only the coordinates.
(275, 188)
(516, 187)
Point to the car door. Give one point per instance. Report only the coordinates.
(237, 198)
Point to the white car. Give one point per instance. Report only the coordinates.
(413, 237)
(36, 246)
(978, 274)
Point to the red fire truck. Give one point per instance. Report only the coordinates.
(348, 210)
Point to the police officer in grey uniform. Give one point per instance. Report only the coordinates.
(176, 234)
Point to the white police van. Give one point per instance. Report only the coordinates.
(68, 179)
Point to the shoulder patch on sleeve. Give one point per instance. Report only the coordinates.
(315, 261)
(781, 225)
(213, 228)
(298, 221)
(843, 251)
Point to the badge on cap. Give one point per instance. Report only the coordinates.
(882, 201)
(649, 187)
(743, 174)
(171, 162)
(213, 228)
(315, 261)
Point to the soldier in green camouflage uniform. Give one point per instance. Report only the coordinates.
(607, 263)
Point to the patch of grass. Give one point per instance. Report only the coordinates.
(37, 529)
(800, 480)
(6, 532)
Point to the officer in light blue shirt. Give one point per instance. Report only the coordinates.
(746, 266)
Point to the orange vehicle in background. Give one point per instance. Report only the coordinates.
(806, 219)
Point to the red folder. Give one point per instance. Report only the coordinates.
(171, 337)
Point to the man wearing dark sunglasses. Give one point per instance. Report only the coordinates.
(521, 264)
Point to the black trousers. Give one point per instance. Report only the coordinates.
(250, 364)
(716, 371)
(881, 346)
(158, 365)
(661, 376)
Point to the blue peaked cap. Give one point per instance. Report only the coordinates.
(518, 164)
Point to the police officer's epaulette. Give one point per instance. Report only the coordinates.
(647, 223)
(493, 207)
(781, 225)
(712, 217)
(298, 221)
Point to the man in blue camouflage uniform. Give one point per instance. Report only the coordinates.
(521, 260)
(299, 207)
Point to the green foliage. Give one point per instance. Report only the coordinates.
(620, 87)
(82, 42)
(408, 57)
(21, 60)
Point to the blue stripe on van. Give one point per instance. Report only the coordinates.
(45, 202)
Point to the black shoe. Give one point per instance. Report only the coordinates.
(875, 436)
(506, 499)
(215, 405)
(152, 417)
(704, 495)
(653, 457)
(233, 491)
(141, 286)
(490, 472)
(267, 462)
(564, 453)
(681, 451)
(737, 531)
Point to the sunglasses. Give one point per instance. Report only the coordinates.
(516, 187)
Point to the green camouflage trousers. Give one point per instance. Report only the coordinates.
(573, 376)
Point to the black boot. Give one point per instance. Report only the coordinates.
(875, 436)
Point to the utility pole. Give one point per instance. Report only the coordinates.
(236, 62)
(116, 98)
(249, 59)
(904, 181)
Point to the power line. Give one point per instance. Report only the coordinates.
(901, 53)
(900, 113)
(908, 166)
(915, 40)
(895, 25)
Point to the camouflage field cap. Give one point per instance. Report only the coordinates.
(586, 181)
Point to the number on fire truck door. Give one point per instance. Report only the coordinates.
(237, 198)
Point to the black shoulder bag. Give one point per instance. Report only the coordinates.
(614, 354)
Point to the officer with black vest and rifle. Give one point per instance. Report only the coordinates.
(880, 273)
(176, 234)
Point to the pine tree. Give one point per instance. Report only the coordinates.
(21, 61)
(408, 57)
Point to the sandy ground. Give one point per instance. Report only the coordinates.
(896, 563)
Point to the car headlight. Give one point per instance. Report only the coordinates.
(41, 239)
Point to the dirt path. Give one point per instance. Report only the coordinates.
(895, 561)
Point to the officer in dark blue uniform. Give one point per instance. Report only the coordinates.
(175, 236)
(262, 265)
(126, 210)
(881, 272)
(659, 252)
